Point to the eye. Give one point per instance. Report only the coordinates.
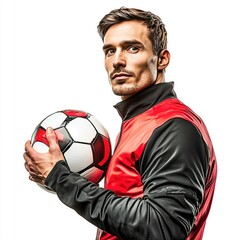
(133, 49)
(109, 52)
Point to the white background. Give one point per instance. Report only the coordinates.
(51, 59)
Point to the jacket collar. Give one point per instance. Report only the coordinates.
(145, 99)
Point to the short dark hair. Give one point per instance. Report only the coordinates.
(157, 31)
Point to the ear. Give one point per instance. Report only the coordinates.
(163, 59)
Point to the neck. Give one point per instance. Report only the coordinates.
(160, 78)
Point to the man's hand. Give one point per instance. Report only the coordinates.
(39, 165)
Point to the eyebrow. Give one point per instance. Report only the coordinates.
(125, 42)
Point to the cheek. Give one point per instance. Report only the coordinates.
(152, 68)
(144, 63)
(147, 70)
(108, 70)
(108, 66)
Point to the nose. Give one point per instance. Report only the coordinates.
(119, 60)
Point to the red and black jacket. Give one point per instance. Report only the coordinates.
(161, 178)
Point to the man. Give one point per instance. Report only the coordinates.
(161, 178)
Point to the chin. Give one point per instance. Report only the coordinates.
(124, 90)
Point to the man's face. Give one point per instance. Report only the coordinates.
(129, 59)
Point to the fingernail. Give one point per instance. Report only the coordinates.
(49, 130)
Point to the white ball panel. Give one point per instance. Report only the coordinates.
(81, 130)
(40, 147)
(79, 156)
(100, 128)
(54, 120)
(93, 174)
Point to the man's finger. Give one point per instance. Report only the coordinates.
(26, 166)
(51, 136)
(30, 151)
(36, 179)
(27, 157)
(29, 166)
(52, 139)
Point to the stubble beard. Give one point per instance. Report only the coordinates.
(124, 90)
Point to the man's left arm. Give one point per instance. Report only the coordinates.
(173, 168)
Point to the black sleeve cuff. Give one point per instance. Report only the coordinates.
(60, 168)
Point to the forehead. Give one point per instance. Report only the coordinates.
(128, 30)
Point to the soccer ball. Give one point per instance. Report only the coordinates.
(83, 140)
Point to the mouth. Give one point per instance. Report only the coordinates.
(121, 76)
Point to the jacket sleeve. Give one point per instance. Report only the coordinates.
(173, 167)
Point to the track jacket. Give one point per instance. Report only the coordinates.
(160, 182)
